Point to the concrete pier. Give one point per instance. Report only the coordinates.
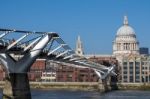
(17, 86)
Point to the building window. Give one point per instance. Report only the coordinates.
(124, 46)
(125, 77)
(124, 63)
(130, 64)
(125, 68)
(131, 67)
(137, 77)
(125, 72)
(145, 68)
(131, 78)
(137, 64)
(142, 63)
(137, 72)
(137, 68)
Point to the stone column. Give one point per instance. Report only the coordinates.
(131, 45)
(121, 46)
(17, 86)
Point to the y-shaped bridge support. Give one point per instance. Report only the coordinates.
(17, 83)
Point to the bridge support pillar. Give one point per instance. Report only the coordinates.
(17, 86)
(103, 86)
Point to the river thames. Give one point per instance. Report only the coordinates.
(70, 94)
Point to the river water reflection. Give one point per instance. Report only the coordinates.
(70, 94)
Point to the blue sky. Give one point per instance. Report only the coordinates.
(96, 21)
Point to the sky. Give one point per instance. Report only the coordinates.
(96, 21)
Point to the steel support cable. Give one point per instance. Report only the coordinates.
(17, 41)
(30, 40)
(4, 34)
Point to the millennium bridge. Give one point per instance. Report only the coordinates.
(30, 45)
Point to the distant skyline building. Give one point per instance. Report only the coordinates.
(144, 50)
(125, 42)
(79, 47)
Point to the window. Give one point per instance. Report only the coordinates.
(137, 65)
(125, 68)
(143, 67)
(124, 46)
(131, 65)
(131, 73)
(125, 77)
(142, 63)
(125, 72)
(146, 68)
(124, 63)
(137, 72)
(131, 78)
(137, 77)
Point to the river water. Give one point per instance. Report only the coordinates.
(68, 94)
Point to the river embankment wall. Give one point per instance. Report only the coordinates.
(86, 85)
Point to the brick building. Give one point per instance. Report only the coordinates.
(107, 60)
(71, 74)
(36, 70)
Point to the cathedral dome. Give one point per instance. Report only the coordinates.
(125, 42)
(125, 30)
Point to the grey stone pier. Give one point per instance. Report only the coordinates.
(17, 86)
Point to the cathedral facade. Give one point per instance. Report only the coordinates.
(125, 42)
(134, 67)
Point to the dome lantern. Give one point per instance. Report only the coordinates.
(125, 22)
